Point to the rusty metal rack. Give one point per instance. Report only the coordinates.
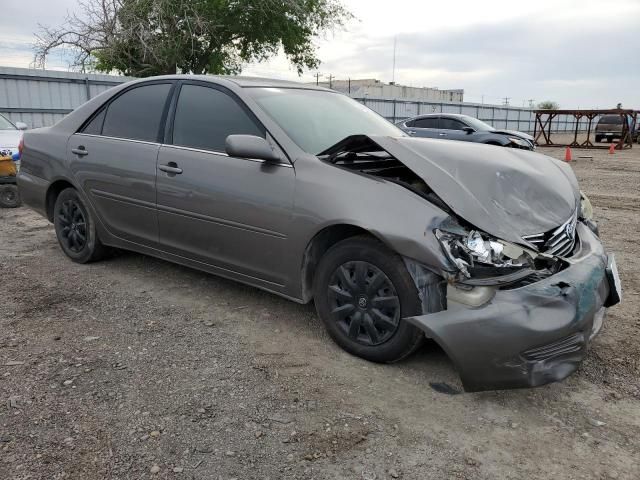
(544, 119)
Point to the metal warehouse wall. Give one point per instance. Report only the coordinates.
(511, 118)
(40, 98)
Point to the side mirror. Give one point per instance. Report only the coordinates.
(250, 146)
(21, 126)
(469, 130)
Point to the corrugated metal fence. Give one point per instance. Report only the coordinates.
(502, 117)
(42, 97)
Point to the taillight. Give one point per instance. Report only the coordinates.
(21, 147)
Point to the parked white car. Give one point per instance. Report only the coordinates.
(10, 136)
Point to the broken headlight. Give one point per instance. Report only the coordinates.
(521, 142)
(586, 209)
(477, 254)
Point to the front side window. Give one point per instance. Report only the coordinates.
(451, 124)
(205, 117)
(136, 114)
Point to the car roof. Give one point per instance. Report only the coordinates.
(242, 81)
(454, 115)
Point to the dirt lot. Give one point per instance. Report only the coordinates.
(137, 368)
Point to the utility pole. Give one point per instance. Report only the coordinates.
(506, 101)
(317, 75)
(393, 72)
(482, 101)
(331, 78)
(349, 85)
(531, 100)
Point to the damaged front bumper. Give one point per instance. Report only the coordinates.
(531, 335)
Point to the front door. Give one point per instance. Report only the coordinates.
(114, 160)
(452, 129)
(227, 212)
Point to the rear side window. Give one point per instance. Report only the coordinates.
(429, 122)
(205, 117)
(136, 114)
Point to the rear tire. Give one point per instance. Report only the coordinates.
(362, 291)
(598, 138)
(76, 228)
(9, 196)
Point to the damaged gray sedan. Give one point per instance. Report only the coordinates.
(492, 253)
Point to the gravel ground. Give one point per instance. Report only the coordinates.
(135, 368)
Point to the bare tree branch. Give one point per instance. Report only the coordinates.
(150, 37)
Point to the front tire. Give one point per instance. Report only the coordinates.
(362, 292)
(76, 228)
(598, 138)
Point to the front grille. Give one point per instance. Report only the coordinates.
(559, 241)
(570, 344)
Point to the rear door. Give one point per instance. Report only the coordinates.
(113, 157)
(424, 127)
(229, 212)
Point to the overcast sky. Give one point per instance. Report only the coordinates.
(580, 53)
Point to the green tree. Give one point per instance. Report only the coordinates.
(548, 105)
(153, 37)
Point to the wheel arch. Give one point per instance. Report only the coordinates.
(319, 244)
(52, 194)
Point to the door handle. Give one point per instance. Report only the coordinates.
(411, 132)
(81, 151)
(442, 134)
(171, 167)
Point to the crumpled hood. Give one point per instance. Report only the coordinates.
(506, 192)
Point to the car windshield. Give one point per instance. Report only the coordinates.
(316, 120)
(6, 124)
(479, 125)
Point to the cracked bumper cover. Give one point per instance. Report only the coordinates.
(528, 336)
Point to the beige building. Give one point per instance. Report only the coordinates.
(369, 87)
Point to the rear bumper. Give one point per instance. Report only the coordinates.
(531, 335)
(33, 191)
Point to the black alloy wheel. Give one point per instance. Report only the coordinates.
(76, 228)
(73, 225)
(364, 303)
(363, 292)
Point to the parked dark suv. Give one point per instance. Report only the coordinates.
(609, 128)
(450, 126)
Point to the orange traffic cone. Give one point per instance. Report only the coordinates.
(612, 149)
(567, 155)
